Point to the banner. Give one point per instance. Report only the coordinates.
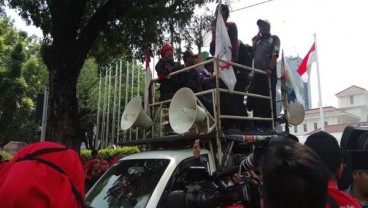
(223, 51)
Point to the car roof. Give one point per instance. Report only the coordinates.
(164, 154)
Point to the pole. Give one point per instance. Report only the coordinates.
(98, 111)
(119, 101)
(319, 87)
(44, 113)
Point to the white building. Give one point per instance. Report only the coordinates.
(352, 111)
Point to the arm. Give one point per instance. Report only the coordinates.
(213, 41)
(275, 55)
(233, 35)
(162, 70)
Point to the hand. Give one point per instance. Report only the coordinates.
(268, 72)
(257, 37)
(196, 149)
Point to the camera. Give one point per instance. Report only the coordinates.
(204, 191)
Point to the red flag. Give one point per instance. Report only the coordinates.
(147, 91)
(304, 68)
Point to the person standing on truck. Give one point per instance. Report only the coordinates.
(191, 77)
(166, 65)
(266, 49)
(231, 104)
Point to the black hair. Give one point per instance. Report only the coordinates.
(293, 176)
(225, 8)
(327, 148)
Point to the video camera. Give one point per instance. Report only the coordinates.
(213, 191)
(217, 190)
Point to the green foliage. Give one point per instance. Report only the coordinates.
(22, 76)
(5, 155)
(103, 29)
(109, 153)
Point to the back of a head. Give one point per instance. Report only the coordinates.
(293, 176)
(362, 142)
(328, 149)
(44, 174)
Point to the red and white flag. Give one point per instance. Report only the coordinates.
(305, 66)
(147, 84)
(223, 51)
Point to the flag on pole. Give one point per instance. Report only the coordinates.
(147, 91)
(304, 68)
(292, 90)
(223, 51)
(294, 105)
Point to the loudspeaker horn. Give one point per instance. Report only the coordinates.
(296, 113)
(184, 111)
(134, 115)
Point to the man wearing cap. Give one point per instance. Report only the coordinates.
(359, 168)
(191, 77)
(166, 65)
(328, 149)
(266, 51)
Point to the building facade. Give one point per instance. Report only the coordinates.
(352, 110)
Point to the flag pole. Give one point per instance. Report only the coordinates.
(319, 87)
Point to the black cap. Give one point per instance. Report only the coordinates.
(264, 21)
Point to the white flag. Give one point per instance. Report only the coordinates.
(292, 90)
(223, 51)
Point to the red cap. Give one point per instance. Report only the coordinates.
(165, 49)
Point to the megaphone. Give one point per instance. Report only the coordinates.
(184, 111)
(135, 116)
(295, 113)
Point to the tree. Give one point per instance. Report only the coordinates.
(21, 78)
(75, 29)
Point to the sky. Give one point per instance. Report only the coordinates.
(336, 23)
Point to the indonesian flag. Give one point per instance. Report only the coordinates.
(223, 51)
(147, 84)
(304, 68)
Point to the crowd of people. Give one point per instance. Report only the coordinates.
(293, 174)
(95, 168)
(261, 55)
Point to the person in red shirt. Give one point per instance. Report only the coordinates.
(43, 174)
(327, 147)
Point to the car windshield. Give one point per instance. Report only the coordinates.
(127, 184)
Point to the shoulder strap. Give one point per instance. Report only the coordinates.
(32, 156)
(332, 202)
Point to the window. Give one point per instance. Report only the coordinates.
(295, 129)
(351, 100)
(305, 127)
(128, 179)
(315, 126)
(326, 123)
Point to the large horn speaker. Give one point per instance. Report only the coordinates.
(134, 115)
(296, 113)
(184, 111)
